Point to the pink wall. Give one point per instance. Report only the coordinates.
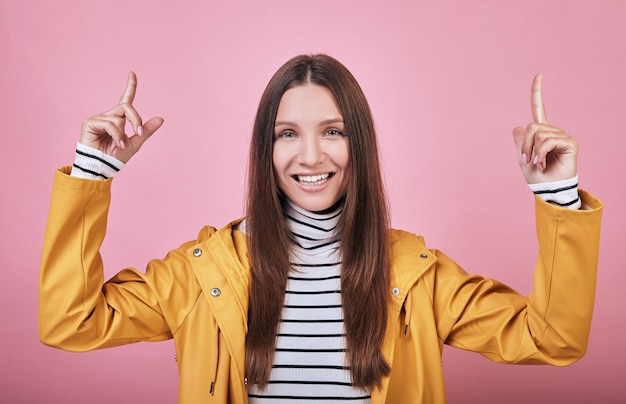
(447, 82)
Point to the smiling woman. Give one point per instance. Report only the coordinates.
(310, 99)
(312, 296)
(311, 152)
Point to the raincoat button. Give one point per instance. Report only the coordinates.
(395, 291)
(423, 255)
(215, 292)
(197, 252)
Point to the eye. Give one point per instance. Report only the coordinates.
(334, 132)
(286, 134)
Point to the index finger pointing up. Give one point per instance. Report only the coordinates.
(536, 100)
(131, 87)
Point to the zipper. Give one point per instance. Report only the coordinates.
(408, 308)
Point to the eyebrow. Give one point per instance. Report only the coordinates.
(324, 122)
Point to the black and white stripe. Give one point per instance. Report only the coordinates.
(92, 164)
(562, 193)
(310, 360)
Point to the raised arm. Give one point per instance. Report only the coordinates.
(552, 324)
(77, 310)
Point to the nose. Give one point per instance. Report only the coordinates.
(311, 152)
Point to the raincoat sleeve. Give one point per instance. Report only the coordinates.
(77, 310)
(552, 324)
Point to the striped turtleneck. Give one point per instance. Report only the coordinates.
(310, 361)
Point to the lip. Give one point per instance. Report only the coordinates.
(316, 182)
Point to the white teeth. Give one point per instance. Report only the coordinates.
(312, 179)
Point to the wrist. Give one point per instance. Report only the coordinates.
(562, 193)
(93, 164)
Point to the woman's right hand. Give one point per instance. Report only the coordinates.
(106, 131)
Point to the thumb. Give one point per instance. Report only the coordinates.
(151, 126)
(147, 130)
(518, 137)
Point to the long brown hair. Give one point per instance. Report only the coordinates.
(364, 227)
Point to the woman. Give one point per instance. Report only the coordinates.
(312, 296)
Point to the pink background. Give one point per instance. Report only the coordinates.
(447, 82)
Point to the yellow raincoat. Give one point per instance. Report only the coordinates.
(198, 295)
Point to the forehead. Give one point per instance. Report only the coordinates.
(307, 102)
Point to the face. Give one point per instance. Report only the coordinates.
(311, 153)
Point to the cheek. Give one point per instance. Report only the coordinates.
(346, 162)
(279, 164)
(276, 161)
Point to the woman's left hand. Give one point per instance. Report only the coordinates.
(545, 152)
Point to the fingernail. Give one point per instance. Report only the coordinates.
(140, 130)
(524, 158)
(536, 160)
(122, 145)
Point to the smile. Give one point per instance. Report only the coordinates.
(312, 180)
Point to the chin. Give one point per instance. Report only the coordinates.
(316, 206)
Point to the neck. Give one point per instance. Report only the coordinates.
(312, 229)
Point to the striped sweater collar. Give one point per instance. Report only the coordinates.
(313, 229)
